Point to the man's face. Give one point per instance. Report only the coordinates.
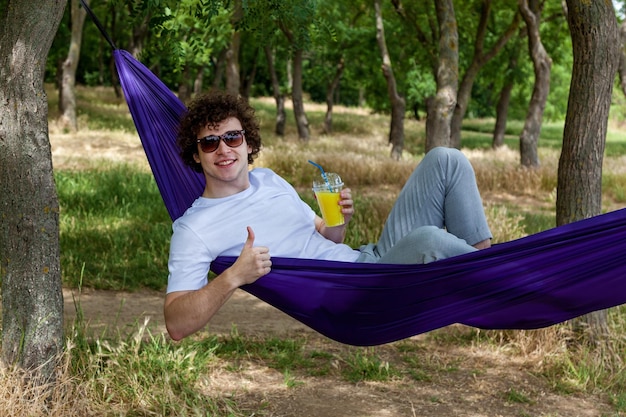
(225, 166)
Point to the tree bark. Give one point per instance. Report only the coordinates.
(542, 64)
(233, 77)
(502, 108)
(297, 97)
(330, 94)
(398, 105)
(297, 93)
(233, 80)
(440, 108)
(249, 77)
(32, 298)
(595, 43)
(67, 99)
(198, 81)
(596, 49)
(479, 60)
(279, 98)
(220, 67)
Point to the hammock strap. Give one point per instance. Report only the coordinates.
(98, 24)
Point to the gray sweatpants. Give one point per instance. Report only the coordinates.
(438, 214)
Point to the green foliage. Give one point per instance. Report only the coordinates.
(186, 39)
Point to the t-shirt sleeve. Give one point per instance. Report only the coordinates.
(189, 260)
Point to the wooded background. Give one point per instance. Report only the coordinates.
(442, 60)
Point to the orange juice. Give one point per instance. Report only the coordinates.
(330, 208)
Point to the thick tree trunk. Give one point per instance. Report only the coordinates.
(478, 61)
(67, 99)
(32, 300)
(542, 65)
(398, 105)
(595, 42)
(596, 47)
(330, 94)
(279, 98)
(441, 107)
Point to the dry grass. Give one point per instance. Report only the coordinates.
(26, 396)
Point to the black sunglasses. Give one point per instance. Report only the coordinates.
(231, 138)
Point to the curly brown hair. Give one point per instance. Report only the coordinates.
(209, 110)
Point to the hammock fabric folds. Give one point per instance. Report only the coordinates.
(533, 282)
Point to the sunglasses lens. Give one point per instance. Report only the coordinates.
(209, 144)
(233, 139)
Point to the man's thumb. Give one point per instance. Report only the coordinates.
(250, 239)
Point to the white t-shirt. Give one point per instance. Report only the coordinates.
(214, 227)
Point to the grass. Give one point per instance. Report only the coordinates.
(118, 210)
(115, 233)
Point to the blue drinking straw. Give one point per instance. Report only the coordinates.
(323, 175)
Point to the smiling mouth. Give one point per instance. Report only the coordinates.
(225, 163)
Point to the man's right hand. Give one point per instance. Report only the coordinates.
(252, 263)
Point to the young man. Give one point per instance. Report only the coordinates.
(250, 213)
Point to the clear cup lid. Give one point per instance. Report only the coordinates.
(334, 180)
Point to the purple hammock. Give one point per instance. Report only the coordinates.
(529, 283)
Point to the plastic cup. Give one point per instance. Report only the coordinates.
(328, 196)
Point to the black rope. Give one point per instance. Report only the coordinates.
(98, 24)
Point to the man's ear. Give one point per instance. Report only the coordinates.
(196, 157)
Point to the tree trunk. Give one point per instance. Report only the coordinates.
(198, 81)
(330, 94)
(250, 77)
(184, 93)
(281, 117)
(32, 298)
(478, 61)
(67, 99)
(233, 81)
(398, 105)
(297, 97)
(595, 42)
(233, 78)
(542, 65)
(596, 48)
(502, 108)
(440, 107)
(297, 93)
(220, 67)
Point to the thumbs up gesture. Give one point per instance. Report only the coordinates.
(253, 262)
